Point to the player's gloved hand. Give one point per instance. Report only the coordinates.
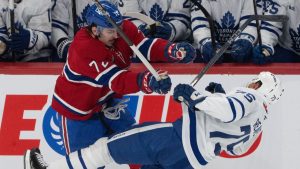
(165, 30)
(145, 29)
(241, 49)
(215, 88)
(63, 45)
(23, 39)
(187, 94)
(182, 52)
(3, 46)
(148, 84)
(206, 49)
(262, 54)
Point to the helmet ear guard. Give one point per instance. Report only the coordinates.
(270, 87)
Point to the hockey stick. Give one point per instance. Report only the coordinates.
(210, 22)
(74, 16)
(144, 18)
(257, 24)
(220, 52)
(127, 40)
(11, 7)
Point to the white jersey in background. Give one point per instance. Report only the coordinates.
(291, 30)
(33, 14)
(228, 15)
(176, 12)
(225, 122)
(62, 18)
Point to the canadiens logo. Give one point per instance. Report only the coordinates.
(52, 132)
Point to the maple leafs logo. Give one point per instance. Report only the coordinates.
(228, 20)
(156, 12)
(81, 21)
(295, 36)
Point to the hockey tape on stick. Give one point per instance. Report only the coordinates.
(220, 52)
(210, 22)
(74, 16)
(144, 18)
(128, 41)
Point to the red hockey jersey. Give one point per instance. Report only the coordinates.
(93, 72)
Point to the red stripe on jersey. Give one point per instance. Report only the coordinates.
(65, 135)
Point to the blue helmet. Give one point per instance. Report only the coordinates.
(94, 15)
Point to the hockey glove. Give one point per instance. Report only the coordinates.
(182, 52)
(215, 88)
(25, 39)
(207, 52)
(165, 31)
(145, 29)
(63, 45)
(148, 84)
(187, 94)
(262, 54)
(241, 49)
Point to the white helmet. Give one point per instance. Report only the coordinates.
(270, 86)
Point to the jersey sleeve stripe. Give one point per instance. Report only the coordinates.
(199, 27)
(232, 109)
(59, 27)
(59, 23)
(270, 30)
(105, 77)
(178, 16)
(199, 19)
(69, 107)
(112, 77)
(144, 47)
(77, 78)
(241, 104)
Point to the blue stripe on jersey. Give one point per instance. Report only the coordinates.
(81, 159)
(69, 162)
(59, 27)
(199, 27)
(66, 107)
(241, 104)
(183, 22)
(199, 19)
(178, 15)
(77, 78)
(244, 17)
(218, 134)
(193, 138)
(146, 46)
(232, 109)
(60, 23)
(104, 79)
(270, 30)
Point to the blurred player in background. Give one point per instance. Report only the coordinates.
(88, 93)
(227, 18)
(288, 34)
(212, 122)
(172, 17)
(64, 14)
(32, 24)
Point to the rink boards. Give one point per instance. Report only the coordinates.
(26, 93)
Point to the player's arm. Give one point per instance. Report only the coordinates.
(200, 24)
(157, 49)
(179, 18)
(60, 37)
(41, 27)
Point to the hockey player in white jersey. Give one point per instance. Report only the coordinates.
(31, 39)
(227, 19)
(63, 23)
(172, 17)
(284, 38)
(210, 124)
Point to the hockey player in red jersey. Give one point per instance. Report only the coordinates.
(88, 93)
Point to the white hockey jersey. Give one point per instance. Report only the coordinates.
(290, 38)
(33, 14)
(228, 123)
(62, 18)
(228, 16)
(176, 12)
